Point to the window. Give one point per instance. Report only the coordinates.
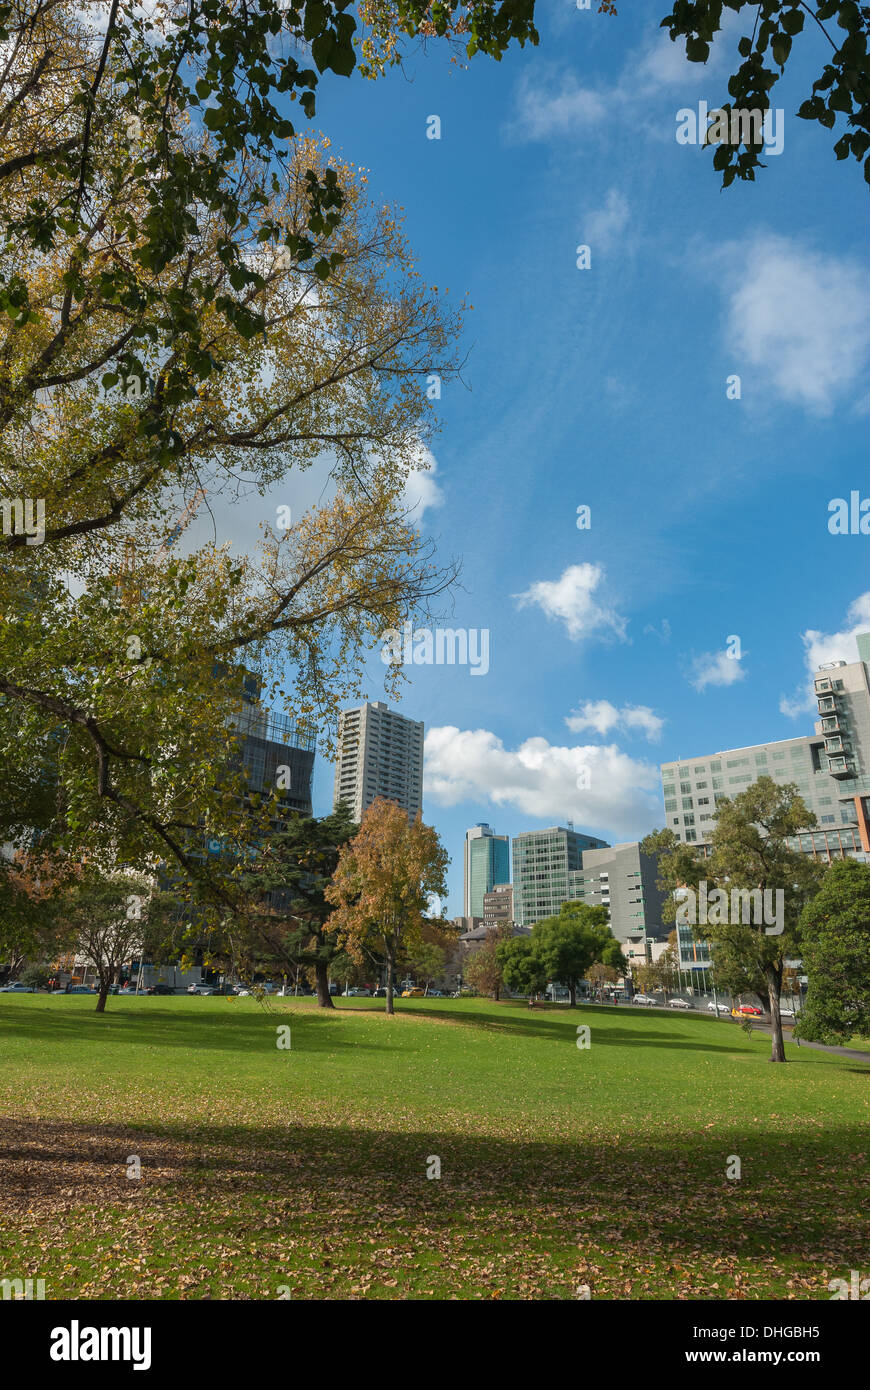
(718, 783)
(690, 835)
(716, 767)
(671, 805)
(700, 787)
(685, 788)
(702, 770)
(703, 801)
(687, 803)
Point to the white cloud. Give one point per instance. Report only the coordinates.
(800, 320)
(550, 102)
(570, 599)
(553, 103)
(603, 227)
(820, 647)
(421, 489)
(716, 668)
(602, 716)
(616, 795)
(663, 633)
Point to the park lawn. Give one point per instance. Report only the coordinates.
(269, 1172)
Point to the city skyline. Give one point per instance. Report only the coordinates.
(607, 389)
(513, 823)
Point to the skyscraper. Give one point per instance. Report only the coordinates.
(380, 753)
(486, 862)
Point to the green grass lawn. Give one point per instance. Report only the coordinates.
(302, 1173)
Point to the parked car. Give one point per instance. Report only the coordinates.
(437, 994)
(359, 992)
(642, 999)
(717, 1008)
(17, 989)
(679, 1004)
(786, 1013)
(159, 989)
(415, 993)
(80, 989)
(743, 1010)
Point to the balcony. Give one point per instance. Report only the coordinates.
(827, 704)
(834, 745)
(839, 767)
(823, 685)
(831, 724)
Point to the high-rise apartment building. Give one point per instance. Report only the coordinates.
(486, 861)
(830, 767)
(542, 863)
(380, 754)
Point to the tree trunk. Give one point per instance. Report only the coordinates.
(324, 998)
(390, 1008)
(572, 987)
(103, 994)
(774, 983)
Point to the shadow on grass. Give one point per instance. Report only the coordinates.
(801, 1193)
(149, 1023)
(556, 1028)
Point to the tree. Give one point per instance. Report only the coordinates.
(385, 877)
(599, 975)
(738, 973)
(30, 926)
(483, 969)
(756, 884)
(121, 663)
(107, 917)
(37, 975)
(522, 970)
(842, 88)
(284, 920)
(569, 943)
(834, 935)
(425, 961)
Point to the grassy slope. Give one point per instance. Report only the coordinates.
(305, 1170)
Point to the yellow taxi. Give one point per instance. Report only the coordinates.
(412, 993)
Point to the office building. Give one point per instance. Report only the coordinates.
(623, 879)
(380, 754)
(277, 755)
(498, 905)
(486, 861)
(542, 862)
(831, 769)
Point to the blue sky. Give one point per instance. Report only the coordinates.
(607, 387)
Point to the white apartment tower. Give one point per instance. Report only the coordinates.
(380, 753)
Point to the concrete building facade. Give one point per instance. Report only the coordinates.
(830, 767)
(623, 879)
(380, 754)
(498, 905)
